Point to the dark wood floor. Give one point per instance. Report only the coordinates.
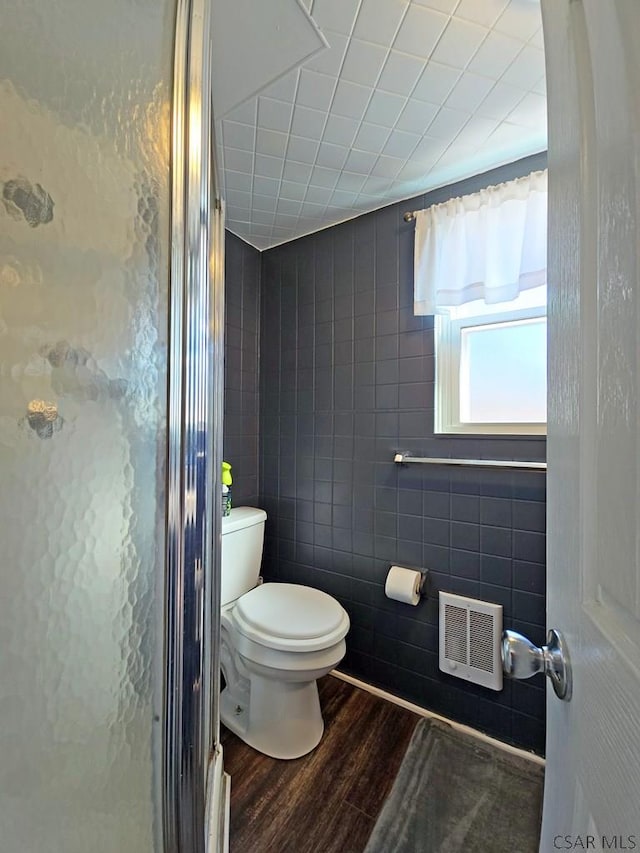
(327, 801)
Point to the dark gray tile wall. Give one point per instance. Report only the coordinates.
(241, 417)
(346, 380)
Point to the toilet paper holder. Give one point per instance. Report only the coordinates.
(422, 588)
(406, 584)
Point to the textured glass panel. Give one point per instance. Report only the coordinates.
(84, 212)
(503, 372)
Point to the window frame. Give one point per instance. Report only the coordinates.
(447, 347)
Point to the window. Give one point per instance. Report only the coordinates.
(491, 367)
(480, 268)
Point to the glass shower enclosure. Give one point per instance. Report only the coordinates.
(111, 285)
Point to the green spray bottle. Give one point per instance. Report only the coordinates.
(226, 488)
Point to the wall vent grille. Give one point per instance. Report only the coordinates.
(470, 635)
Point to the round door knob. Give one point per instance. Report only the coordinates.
(522, 659)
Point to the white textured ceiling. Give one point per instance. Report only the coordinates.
(256, 42)
(409, 95)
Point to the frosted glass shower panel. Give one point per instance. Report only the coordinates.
(85, 90)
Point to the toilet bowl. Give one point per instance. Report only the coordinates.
(276, 640)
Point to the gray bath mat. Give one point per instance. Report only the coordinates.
(454, 793)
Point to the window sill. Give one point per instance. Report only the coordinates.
(524, 431)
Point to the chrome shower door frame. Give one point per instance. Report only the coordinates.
(194, 439)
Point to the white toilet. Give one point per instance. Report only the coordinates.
(276, 640)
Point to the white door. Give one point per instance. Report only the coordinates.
(593, 741)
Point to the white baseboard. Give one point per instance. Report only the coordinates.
(424, 712)
(218, 803)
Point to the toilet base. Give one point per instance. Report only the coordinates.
(282, 720)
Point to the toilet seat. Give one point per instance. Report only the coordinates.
(290, 617)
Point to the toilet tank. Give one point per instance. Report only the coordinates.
(242, 539)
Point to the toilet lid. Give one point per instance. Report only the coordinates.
(289, 611)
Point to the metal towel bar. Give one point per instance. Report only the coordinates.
(401, 458)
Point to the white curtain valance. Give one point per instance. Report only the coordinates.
(490, 245)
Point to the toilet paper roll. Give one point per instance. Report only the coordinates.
(403, 585)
